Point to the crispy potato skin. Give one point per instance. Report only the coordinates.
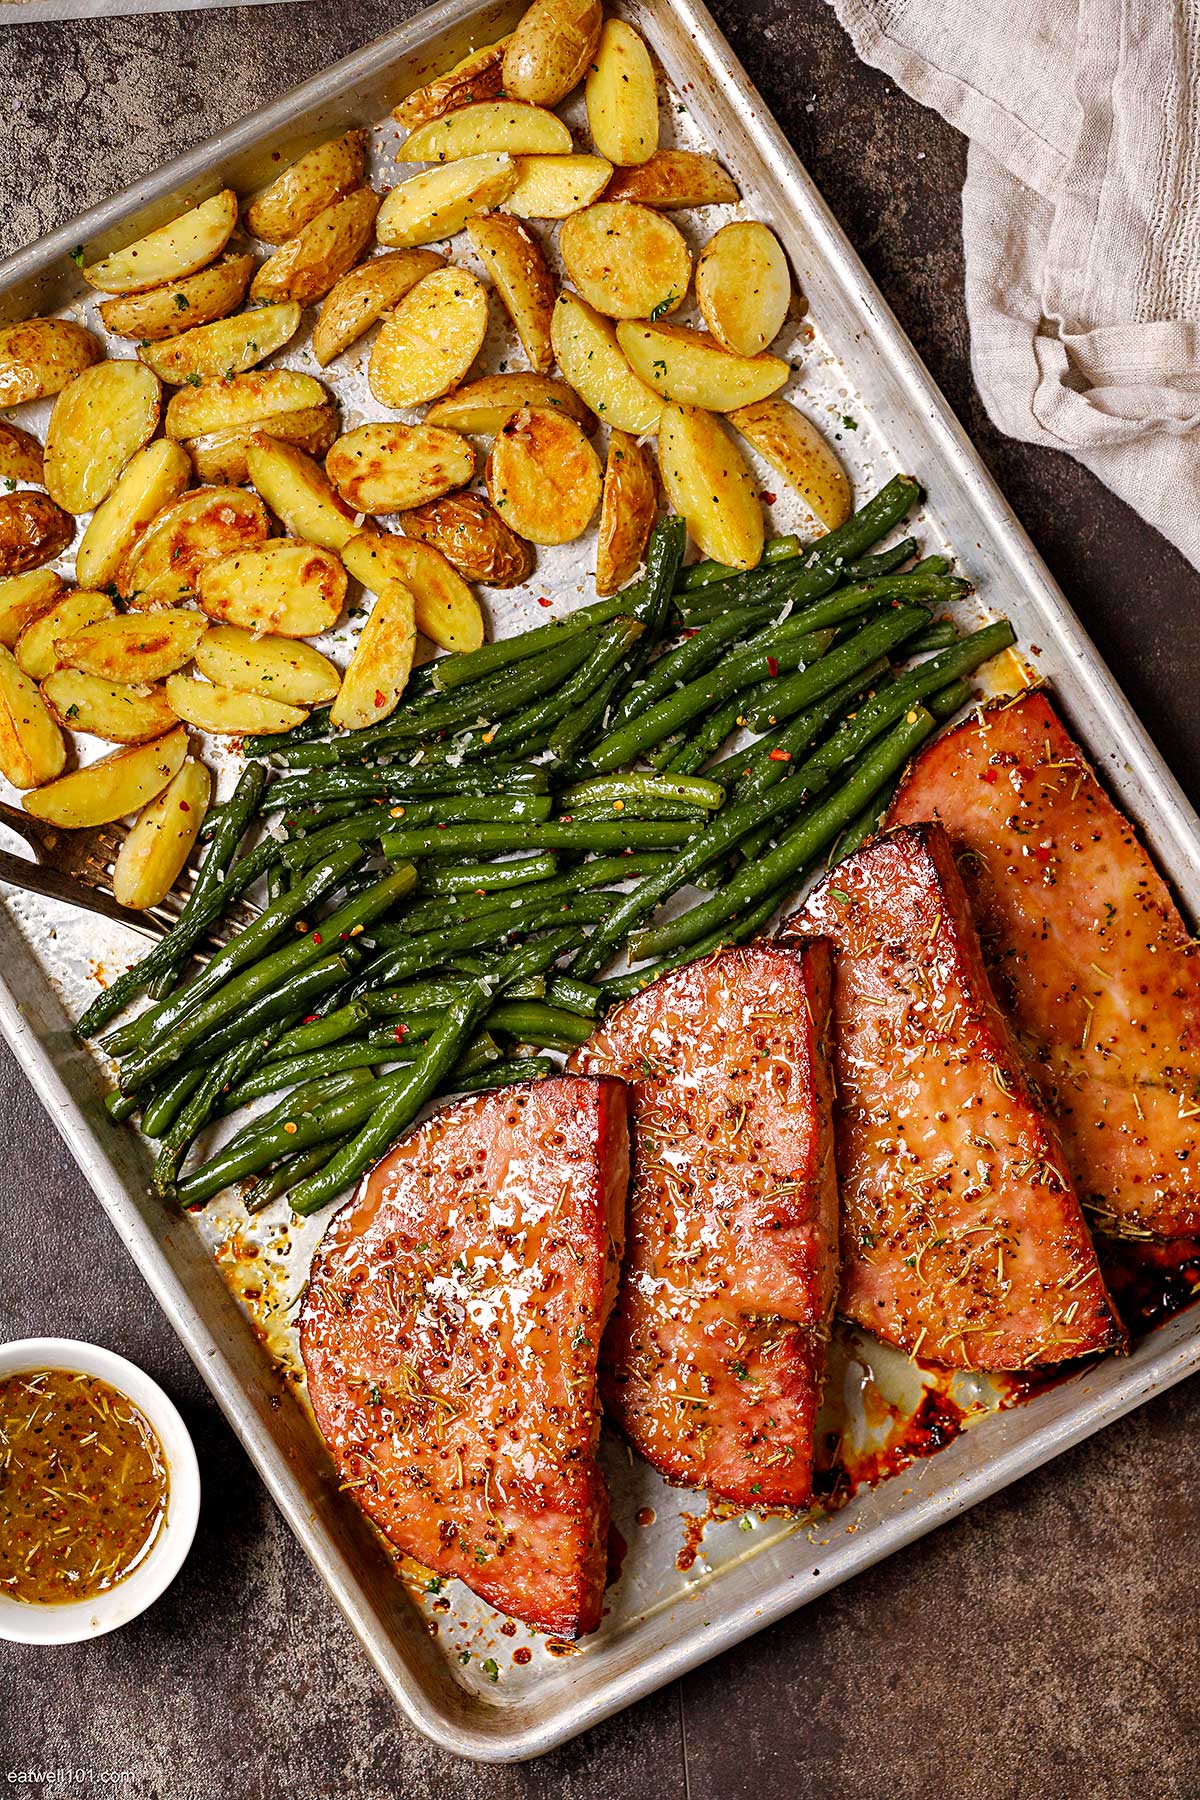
(39, 356)
(360, 297)
(170, 253)
(513, 258)
(627, 508)
(626, 260)
(33, 530)
(318, 178)
(673, 179)
(306, 267)
(20, 454)
(24, 599)
(549, 51)
(478, 76)
(472, 535)
(800, 453)
(385, 468)
(481, 407)
(32, 750)
(544, 477)
(167, 311)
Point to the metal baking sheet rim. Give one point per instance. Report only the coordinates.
(1167, 1356)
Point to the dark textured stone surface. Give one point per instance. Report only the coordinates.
(1044, 1647)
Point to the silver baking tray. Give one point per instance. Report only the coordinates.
(692, 1583)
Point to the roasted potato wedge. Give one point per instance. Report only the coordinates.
(446, 609)
(107, 709)
(622, 97)
(165, 312)
(99, 421)
(36, 648)
(221, 456)
(425, 347)
(438, 202)
(122, 782)
(217, 404)
(690, 368)
(543, 476)
(32, 750)
(188, 243)
(627, 508)
(33, 530)
(553, 187)
(587, 352)
(295, 590)
(133, 647)
(673, 179)
(796, 450)
(481, 407)
(299, 492)
(227, 711)
(150, 481)
(549, 51)
(278, 668)
(20, 454)
(361, 297)
(472, 535)
(485, 127)
(708, 481)
(384, 468)
(513, 258)
(306, 267)
(478, 76)
(160, 840)
(226, 347)
(25, 598)
(627, 261)
(163, 565)
(39, 356)
(743, 286)
(307, 187)
(382, 662)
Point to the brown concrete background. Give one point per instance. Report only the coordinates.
(1042, 1648)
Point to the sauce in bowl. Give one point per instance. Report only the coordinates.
(83, 1486)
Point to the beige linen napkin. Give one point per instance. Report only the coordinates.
(1081, 222)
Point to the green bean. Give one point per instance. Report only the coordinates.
(291, 998)
(948, 700)
(605, 789)
(734, 931)
(169, 1042)
(816, 828)
(864, 826)
(638, 809)
(491, 877)
(412, 997)
(120, 1107)
(315, 726)
(531, 1022)
(221, 1073)
(692, 657)
(294, 1069)
(707, 739)
(284, 1175)
(319, 1032)
(799, 691)
(704, 574)
(502, 1074)
(596, 834)
(526, 727)
(323, 1109)
(162, 1107)
(927, 582)
(490, 659)
(884, 562)
(577, 996)
(428, 915)
(403, 955)
(245, 947)
(402, 782)
(232, 826)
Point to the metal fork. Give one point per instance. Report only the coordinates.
(76, 866)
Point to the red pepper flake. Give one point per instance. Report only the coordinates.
(316, 937)
(343, 937)
(400, 1032)
(543, 602)
(565, 818)
(780, 756)
(184, 807)
(442, 826)
(311, 1019)
(772, 666)
(379, 699)
(1042, 854)
(989, 775)
(691, 631)
(767, 498)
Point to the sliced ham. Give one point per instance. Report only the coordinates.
(451, 1333)
(1088, 954)
(713, 1359)
(963, 1241)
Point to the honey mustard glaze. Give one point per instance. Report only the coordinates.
(83, 1486)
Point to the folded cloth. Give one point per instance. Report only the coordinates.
(1081, 222)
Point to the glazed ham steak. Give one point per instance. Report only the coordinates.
(1088, 954)
(713, 1359)
(451, 1333)
(963, 1241)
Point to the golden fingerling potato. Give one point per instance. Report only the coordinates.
(98, 423)
(628, 506)
(554, 187)
(107, 709)
(385, 468)
(133, 647)
(708, 480)
(471, 534)
(379, 669)
(120, 783)
(304, 189)
(164, 563)
(39, 356)
(278, 668)
(20, 454)
(478, 76)
(587, 352)
(24, 598)
(543, 477)
(480, 407)
(36, 648)
(32, 750)
(675, 179)
(446, 609)
(34, 529)
(299, 492)
(165, 312)
(222, 456)
(513, 258)
(796, 450)
(549, 51)
(622, 97)
(292, 589)
(743, 286)
(160, 840)
(188, 243)
(306, 267)
(359, 299)
(226, 347)
(438, 202)
(229, 712)
(150, 481)
(690, 367)
(425, 347)
(627, 261)
(484, 128)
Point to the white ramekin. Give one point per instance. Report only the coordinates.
(76, 1620)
